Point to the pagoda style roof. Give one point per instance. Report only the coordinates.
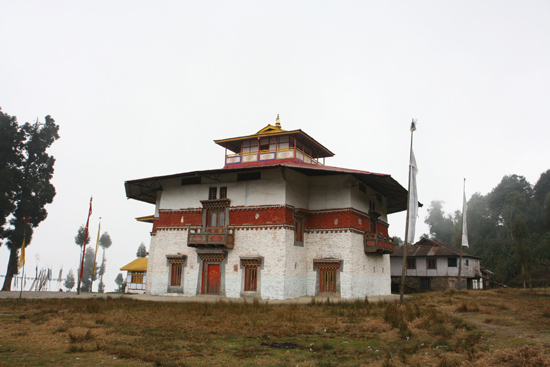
(396, 195)
(234, 144)
(429, 247)
(139, 264)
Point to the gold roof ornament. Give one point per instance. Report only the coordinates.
(278, 122)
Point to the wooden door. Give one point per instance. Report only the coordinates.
(327, 281)
(212, 279)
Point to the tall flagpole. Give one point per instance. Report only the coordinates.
(95, 255)
(84, 248)
(404, 269)
(462, 232)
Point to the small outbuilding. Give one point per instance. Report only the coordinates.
(136, 278)
(433, 265)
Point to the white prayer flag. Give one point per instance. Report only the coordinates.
(413, 199)
(464, 224)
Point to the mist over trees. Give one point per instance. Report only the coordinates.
(69, 281)
(105, 242)
(141, 251)
(25, 188)
(121, 283)
(509, 228)
(88, 273)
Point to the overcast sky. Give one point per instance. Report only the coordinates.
(142, 88)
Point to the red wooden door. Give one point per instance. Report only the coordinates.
(213, 279)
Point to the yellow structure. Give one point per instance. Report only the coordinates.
(137, 275)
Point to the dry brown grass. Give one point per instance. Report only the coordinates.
(453, 328)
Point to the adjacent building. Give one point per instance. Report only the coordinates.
(136, 276)
(275, 223)
(434, 265)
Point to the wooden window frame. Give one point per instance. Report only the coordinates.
(223, 192)
(137, 277)
(212, 193)
(251, 274)
(299, 229)
(176, 271)
(452, 260)
(431, 264)
(411, 263)
(328, 275)
(250, 278)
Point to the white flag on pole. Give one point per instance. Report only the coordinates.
(464, 222)
(413, 200)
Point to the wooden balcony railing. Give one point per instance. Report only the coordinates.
(271, 155)
(378, 244)
(211, 237)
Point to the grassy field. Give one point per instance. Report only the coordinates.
(507, 327)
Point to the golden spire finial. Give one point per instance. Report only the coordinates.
(278, 122)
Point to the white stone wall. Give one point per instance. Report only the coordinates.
(158, 270)
(287, 270)
(361, 275)
(329, 192)
(270, 190)
(297, 189)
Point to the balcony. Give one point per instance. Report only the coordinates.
(378, 244)
(211, 237)
(270, 156)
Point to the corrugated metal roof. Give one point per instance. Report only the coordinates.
(139, 264)
(145, 189)
(427, 247)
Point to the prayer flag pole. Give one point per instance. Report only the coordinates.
(464, 235)
(95, 255)
(412, 210)
(84, 248)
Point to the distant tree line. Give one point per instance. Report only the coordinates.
(509, 228)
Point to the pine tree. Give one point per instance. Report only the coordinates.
(29, 170)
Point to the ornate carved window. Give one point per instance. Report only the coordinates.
(328, 281)
(251, 268)
(176, 269)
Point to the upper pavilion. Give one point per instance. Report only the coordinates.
(273, 145)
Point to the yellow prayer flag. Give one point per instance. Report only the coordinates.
(22, 256)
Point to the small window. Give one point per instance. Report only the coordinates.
(431, 263)
(411, 263)
(251, 269)
(298, 229)
(190, 181)
(223, 192)
(249, 176)
(250, 146)
(283, 142)
(137, 277)
(250, 278)
(452, 262)
(264, 143)
(212, 193)
(175, 274)
(467, 262)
